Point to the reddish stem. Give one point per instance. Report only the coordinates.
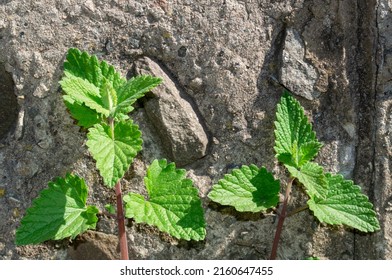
(122, 237)
(282, 216)
(121, 224)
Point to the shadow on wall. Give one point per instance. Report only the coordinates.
(8, 105)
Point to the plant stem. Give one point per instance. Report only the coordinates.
(121, 223)
(282, 216)
(122, 237)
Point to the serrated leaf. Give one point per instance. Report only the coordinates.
(345, 205)
(173, 205)
(111, 75)
(108, 96)
(96, 85)
(82, 65)
(114, 150)
(90, 87)
(307, 151)
(291, 125)
(248, 189)
(293, 133)
(83, 92)
(134, 89)
(85, 116)
(59, 212)
(311, 176)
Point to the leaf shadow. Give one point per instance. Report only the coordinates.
(239, 216)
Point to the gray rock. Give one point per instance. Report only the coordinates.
(296, 74)
(173, 117)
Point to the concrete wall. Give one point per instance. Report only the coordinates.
(221, 59)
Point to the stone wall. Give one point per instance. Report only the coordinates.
(225, 64)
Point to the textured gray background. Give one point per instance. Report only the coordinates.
(220, 60)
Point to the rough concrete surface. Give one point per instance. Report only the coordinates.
(227, 62)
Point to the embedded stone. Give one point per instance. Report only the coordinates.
(296, 74)
(173, 116)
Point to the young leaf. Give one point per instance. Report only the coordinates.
(295, 141)
(311, 176)
(90, 87)
(97, 86)
(173, 205)
(134, 89)
(247, 189)
(59, 212)
(344, 205)
(307, 151)
(108, 96)
(85, 116)
(82, 65)
(83, 92)
(114, 150)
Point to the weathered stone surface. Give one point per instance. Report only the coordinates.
(175, 120)
(378, 140)
(94, 246)
(221, 54)
(296, 74)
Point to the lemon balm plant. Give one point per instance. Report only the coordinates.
(100, 100)
(332, 199)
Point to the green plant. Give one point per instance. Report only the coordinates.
(332, 199)
(99, 99)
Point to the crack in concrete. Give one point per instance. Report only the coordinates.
(368, 36)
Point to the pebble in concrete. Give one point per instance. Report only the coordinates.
(174, 118)
(296, 74)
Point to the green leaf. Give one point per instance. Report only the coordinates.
(96, 85)
(295, 141)
(90, 87)
(345, 205)
(85, 116)
(114, 150)
(110, 208)
(132, 90)
(312, 258)
(247, 189)
(307, 152)
(108, 96)
(59, 212)
(311, 176)
(82, 65)
(173, 205)
(83, 92)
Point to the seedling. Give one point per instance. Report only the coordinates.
(332, 199)
(99, 99)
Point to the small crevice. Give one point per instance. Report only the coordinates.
(367, 71)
